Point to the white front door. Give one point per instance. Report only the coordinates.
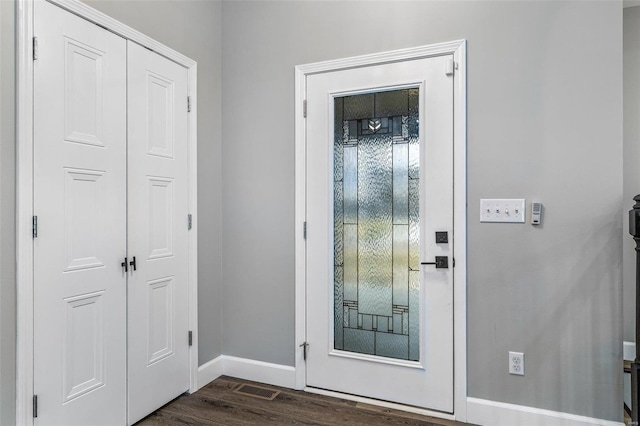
(379, 205)
(157, 229)
(80, 136)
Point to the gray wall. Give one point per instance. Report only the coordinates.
(194, 29)
(545, 123)
(631, 160)
(7, 215)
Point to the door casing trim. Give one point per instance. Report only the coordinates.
(458, 49)
(24, 187)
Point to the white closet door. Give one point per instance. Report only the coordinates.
(157, 229)
(80, 201)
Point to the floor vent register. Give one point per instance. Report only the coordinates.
(257, 392)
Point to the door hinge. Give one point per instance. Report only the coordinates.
(35, 406)
(304, 108)
(451, 67)
(35, 48)
(304, 230)
(188, 103)
(34, 227)
(190, 338)
(304, 347)
(189, 221)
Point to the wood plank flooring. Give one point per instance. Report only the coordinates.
(217, 404)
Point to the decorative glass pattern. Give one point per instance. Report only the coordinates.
(377, 224)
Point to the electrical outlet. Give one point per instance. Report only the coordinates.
(516, 363)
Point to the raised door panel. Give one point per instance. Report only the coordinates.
(84, 85)
(84, 349)
(80, 200)
(160, 218)
(160, 115)
(84, 208)
(160, 319)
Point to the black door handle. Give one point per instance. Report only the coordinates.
(124, 265)
(133, 263)
(442, 262)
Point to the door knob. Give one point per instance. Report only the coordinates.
(442, 262)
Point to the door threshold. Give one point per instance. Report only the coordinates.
(380, 403)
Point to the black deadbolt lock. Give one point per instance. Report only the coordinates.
(442, 237)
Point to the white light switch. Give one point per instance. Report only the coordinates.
(501, 210)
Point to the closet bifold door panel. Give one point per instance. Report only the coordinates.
(158, 304)
(111, 339)
(79, 207)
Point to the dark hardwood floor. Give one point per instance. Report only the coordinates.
(218, 404)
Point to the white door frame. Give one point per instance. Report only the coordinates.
(24, 188)
(458, 50)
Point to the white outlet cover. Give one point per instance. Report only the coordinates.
(502, 210)
(516, 363)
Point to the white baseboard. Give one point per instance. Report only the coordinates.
(628, 354)
(248, 369)
(629, 351)
(485, 412)
(210, 371)
(258, 371)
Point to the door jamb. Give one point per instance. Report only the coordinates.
(24, 188)
(458, 50)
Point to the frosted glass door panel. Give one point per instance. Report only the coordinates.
(376, 224)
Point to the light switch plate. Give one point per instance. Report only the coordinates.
(502, 210)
